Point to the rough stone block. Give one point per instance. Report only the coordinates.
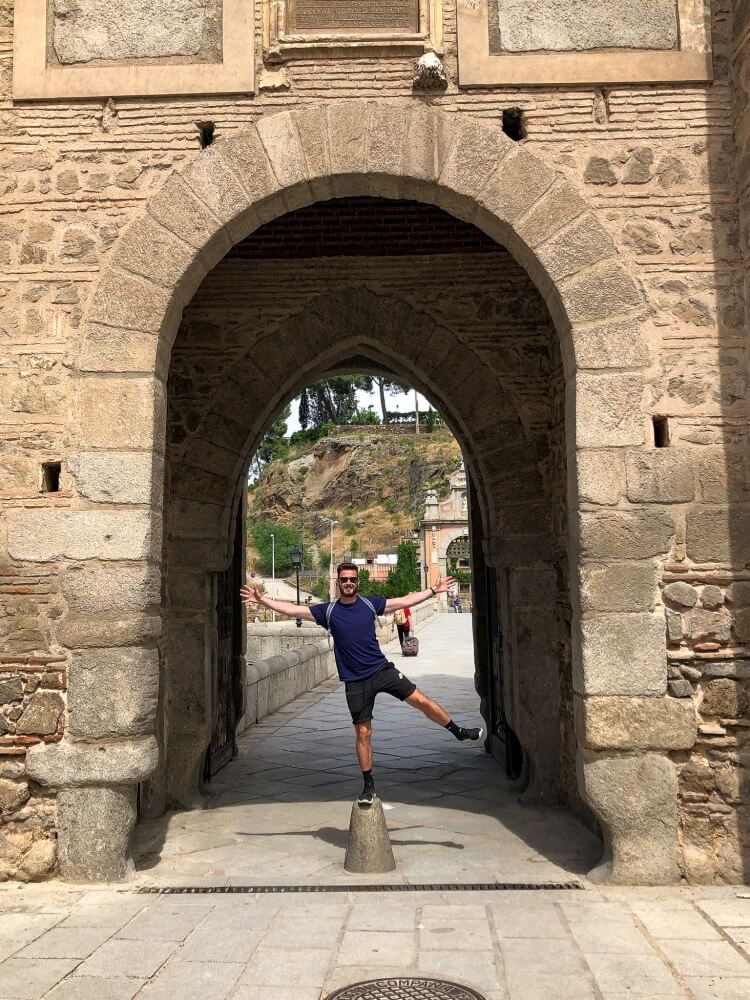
(519, 181)
(583, 243)
(18, 473)
(660, 476)
(151, 251)
(119, 477)
(608, 410)
(635, 799)
(178, 209)
(111, 349)
(636, 723)
(601, 476)
(681, 594)
(74, 765)
(11, 689)
(113, 693)
(712, 597)
(622, 587)
(708, 626)
(312, 129)
(44, 535)
(347, 137)
(283, 146)
(614, 344)
(719, 536)
(209, 177)
(738, 593)
(95, 827)
(429, 142)
(388, 128)
(121, 413)
(123, 630)
(723, 698)
(559, 206)
(622, 655)
(624, 535)
(474, 157)
(599, 292)
(722, 475)
(95, 589)
(124, 300)
(533, 587)
(41, 717)
(741, 625)
(675, 629)
(586, 25)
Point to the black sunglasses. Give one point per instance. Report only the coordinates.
(348, 579)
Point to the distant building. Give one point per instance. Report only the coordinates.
(444, 535)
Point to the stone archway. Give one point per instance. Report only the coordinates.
(472, 171)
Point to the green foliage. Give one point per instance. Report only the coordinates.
(332, 400)
(286, 538)
(365, 418)
(389, 505)
(311, 435)
(320, 588)
(406, 577)
(354, 546)
(370, 588)
(349, 526)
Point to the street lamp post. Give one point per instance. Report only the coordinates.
(426, 569)
(296, 557)
(273, 572)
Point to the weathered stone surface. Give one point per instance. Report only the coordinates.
(723, 698)
(601, 476)
(113, 693)
(368, 850)
(621, 587)
(11, 689)
(599, 292)
(599, 171)
(708, 625)
(42, 535)
(41, 717)
(560, 205)
(738, 594)
(614, 344)
(660, 476)
(281, 141)
(95, 589)
(112, 349)
(13, 794)
(519, 181)
(150, 250)
(680, 689)
(623, 655)
(582, 25)
(675, 630)
(608, 410)
(742, 624)
(38, 862)
(723, 475)
(635, 798)
(121, 413)
(712, 597)
(636, 723)
(72, 765)
(95, 829)
(681, 594)
(718, 536)
(123, 630)
(625, 535)
(124, 300)
(118, 477)
(138, 29)
(583, 243)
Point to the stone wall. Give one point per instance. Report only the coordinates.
(659, 170)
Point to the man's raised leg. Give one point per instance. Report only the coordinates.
(436, 713)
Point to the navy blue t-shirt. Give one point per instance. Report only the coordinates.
(358, 654)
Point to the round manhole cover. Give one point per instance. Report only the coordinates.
(405, 989)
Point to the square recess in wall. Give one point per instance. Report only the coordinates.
(582, 42)
(64, 52)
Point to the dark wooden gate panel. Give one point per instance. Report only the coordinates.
(228, 688)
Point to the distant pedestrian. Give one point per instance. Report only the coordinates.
(402, 619)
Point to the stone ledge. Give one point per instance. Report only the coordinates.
(77, 765)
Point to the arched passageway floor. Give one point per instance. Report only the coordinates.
(279, 813)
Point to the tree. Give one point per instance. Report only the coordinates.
(384, 386)
(365, 417)
(285, 539)
(405, 579)
(333, 400)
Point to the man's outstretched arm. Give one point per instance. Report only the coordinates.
(251, 595)
(443, 585)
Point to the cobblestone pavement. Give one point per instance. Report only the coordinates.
(279, 815)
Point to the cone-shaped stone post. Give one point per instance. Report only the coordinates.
(369, 848)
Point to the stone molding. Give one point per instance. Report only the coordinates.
(478, 66)
(35, 79)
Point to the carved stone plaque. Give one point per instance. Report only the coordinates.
(353, 16)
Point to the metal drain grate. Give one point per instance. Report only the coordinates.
(185, 890)
(405, 989)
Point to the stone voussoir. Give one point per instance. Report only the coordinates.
(636, 723)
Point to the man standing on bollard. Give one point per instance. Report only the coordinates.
(361, 664)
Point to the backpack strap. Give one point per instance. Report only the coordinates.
(329, 611)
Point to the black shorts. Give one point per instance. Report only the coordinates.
(360, 695)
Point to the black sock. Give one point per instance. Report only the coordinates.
(453, 728)
(369, 780)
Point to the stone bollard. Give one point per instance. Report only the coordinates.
(368, 850)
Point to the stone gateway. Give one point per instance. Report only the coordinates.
(571, 295)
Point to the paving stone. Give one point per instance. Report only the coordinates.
(112, 915)
(637, 975)
(472, 968)
(289, 933)
(139, 959)
(225, 937)
(612, 939)
(24, 927)
(375, 948)
(83, 988)
(381, 918)
(285, 967)
(528, 957)
(31, 978)
(469, 935)
(718, 988)
(518, 921)
(67, 942)
(712, 958)
(193, 981)
(727, 912)
(164, 924)
(525, 986)
(682, 923)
